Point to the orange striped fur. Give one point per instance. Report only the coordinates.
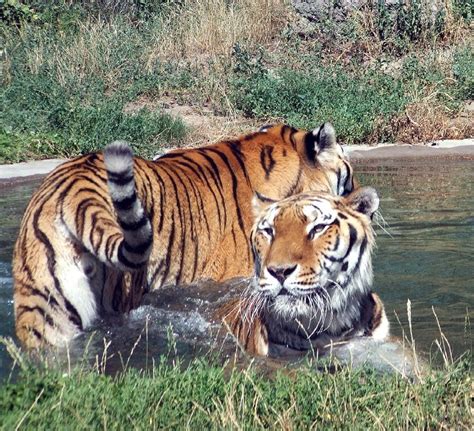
(96, 235)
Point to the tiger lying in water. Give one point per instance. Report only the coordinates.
(103, 229)
(313, 274)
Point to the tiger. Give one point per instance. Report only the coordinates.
(105, 228)
(312, 276)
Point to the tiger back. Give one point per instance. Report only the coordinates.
(104, 228)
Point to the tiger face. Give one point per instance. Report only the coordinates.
(312, 257)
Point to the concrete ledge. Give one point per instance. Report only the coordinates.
(27, 169)
(462, 148)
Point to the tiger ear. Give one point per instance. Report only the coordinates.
(260, 203)
(364, 200)
(324, 138)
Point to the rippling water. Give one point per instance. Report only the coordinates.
(425, 254)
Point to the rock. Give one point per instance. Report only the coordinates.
(320, 10)
(338, 10)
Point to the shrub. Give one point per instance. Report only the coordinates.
(353, 102)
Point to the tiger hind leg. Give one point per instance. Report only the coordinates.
(52, 307)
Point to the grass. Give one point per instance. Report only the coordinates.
(366, 106)
(67, 90)
(206, 395)
(70, 69)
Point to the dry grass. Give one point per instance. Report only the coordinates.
(92, 51)
(207, 29)
(206, 126)
(373, 36)
(428, 120)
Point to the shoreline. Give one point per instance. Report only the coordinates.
(463, 149)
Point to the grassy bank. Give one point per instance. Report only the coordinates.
(77, 75)
(206, 396)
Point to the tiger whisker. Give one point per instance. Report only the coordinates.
(379, 220)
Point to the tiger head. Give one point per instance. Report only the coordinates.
(313, 159)
(312, 256)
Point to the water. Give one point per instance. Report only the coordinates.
(429, 258)
(425, 254)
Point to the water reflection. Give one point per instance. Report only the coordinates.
(429, 209)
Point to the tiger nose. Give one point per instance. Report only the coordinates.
(281, 273)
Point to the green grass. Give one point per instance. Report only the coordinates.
(305, 98)
(361, 101)
(56, 103)
(71, 68)
(205, 395)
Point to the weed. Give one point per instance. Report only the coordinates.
(306, 98)
(203, 395)
(69, 75)
(74, 88)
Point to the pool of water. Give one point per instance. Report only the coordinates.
(425, 254)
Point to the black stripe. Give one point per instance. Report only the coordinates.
(81, 209)
(348, 187)
(266, 160)
(22, 309)
(184, 225)
(336, 245)
(170, 155)
(234, 188)
(73, 315)
(109, 248)
(149, 194)
(263, 198)
(213, 164)
(362, 248)
(125, 261)
(256, 260)
(162, 200)
(98, 231)
(118, 179)
(90, 164)
(36, 333)
(33, 291)
(134, 225)
(214, 171)
(219, 189)
(183, 239)
(168, 254)
(292, 137)
(235, 147)
(294, 187)
(125, 203)
(352, 239)
(200, 202)
(196, 192)
(140, 248)
(338, 176)
(204, 177)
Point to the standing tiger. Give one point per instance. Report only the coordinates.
(313, 274)
(102, 229)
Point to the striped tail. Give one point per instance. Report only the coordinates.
(135, 248)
